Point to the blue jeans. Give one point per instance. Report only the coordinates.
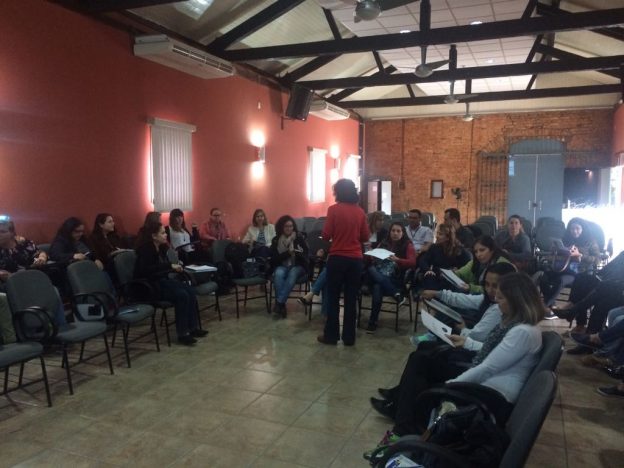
(320, 285)
(184, 301)
(380, 286)
(284, 279)
(342, 273)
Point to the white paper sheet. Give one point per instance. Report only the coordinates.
(381, 254)
(444, 309)
(200, 268)
(436, 327)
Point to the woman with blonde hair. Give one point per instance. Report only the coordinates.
(377, 230)
(447, 252)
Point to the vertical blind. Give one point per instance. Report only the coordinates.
(171, 151)
(316, 175)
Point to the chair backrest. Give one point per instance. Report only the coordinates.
(308, 223)
(485, 228)
(44, 247)
(218, 250)
(527, 417)
(317, 225)
(299, 223)
(85, 277)
(28, 288)
(315, 243)
(546, 232)
(124, 266)
(476, 230)
(492, 220)
(552, 349)
(428, 219)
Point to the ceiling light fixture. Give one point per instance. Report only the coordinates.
(404, 31)
(475, 22)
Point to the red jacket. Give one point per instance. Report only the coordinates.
(347, 229)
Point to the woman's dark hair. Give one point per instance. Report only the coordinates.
(500, 269)
(152, 217)
(583, 240)
(100, 218)
(256, 213)
(69, 226)
(489, 243)
(400, 247)
(177, 213)
(279, 226)
(147, 232)
(345, 191)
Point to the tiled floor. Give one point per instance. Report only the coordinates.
(264, 393)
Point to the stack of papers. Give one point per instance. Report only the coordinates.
(444, 309)
(453, 278)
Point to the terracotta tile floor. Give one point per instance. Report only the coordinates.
(263, 393)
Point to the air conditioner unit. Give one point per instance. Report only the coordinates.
(327, 111)
(161, 49)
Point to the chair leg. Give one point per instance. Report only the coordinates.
(67, 371)
(245, 303)
(164, 317)
(114, 334)
(155, 332)
(217, 306)
(396, 320)
(237, 306)
(125, 330)
(108, 354)
(45, 380)
(21, 375)
(266, 299)
(82, 346)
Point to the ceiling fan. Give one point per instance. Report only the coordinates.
(452, 98)
(426, 69)
(467, 117)
(365, 10)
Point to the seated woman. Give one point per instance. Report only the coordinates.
(289, 261)
(153, 265)
(515, 242)
(460, 358)
(584, 254)
(259, 235)
(184, 241)
(70, 243)
(503, 361)
(447, 252)
(378, 232)
(479, 311)
(104, 241)
(385, 277)
(607, 345)
(17, 254)
(485, 253)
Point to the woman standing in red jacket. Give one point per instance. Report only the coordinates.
(346, 227)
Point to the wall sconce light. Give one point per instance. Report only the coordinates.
(258, 140)
(334, 151)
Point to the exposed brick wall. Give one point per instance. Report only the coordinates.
(448, 148)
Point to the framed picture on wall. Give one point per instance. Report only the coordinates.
(437, 189)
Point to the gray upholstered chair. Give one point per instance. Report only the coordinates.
(34, 303)
(21, 353)
(91, 288)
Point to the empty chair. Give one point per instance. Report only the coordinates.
(34, 302)
(21, 353)
(485, 228)
(546, 231)
(308, 223)
(492, 220)
(317, 225)
(91, 288)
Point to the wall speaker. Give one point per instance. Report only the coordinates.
(299, 103)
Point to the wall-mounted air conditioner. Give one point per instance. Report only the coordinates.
(163, 50)
(327, 111)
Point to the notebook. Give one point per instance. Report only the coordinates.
(453, 278)
(444, 309)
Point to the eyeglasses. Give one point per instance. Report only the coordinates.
(289, 225)
(217, 215)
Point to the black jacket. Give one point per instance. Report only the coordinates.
(301, 253)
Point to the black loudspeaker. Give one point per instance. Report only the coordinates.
(299, 103)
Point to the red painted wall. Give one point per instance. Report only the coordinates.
(74, 138)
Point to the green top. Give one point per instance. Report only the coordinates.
(466, 274)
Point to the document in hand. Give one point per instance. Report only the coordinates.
(200, 268)
(436, 327)
(444, 309)
(381, 254)
(453, 278)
